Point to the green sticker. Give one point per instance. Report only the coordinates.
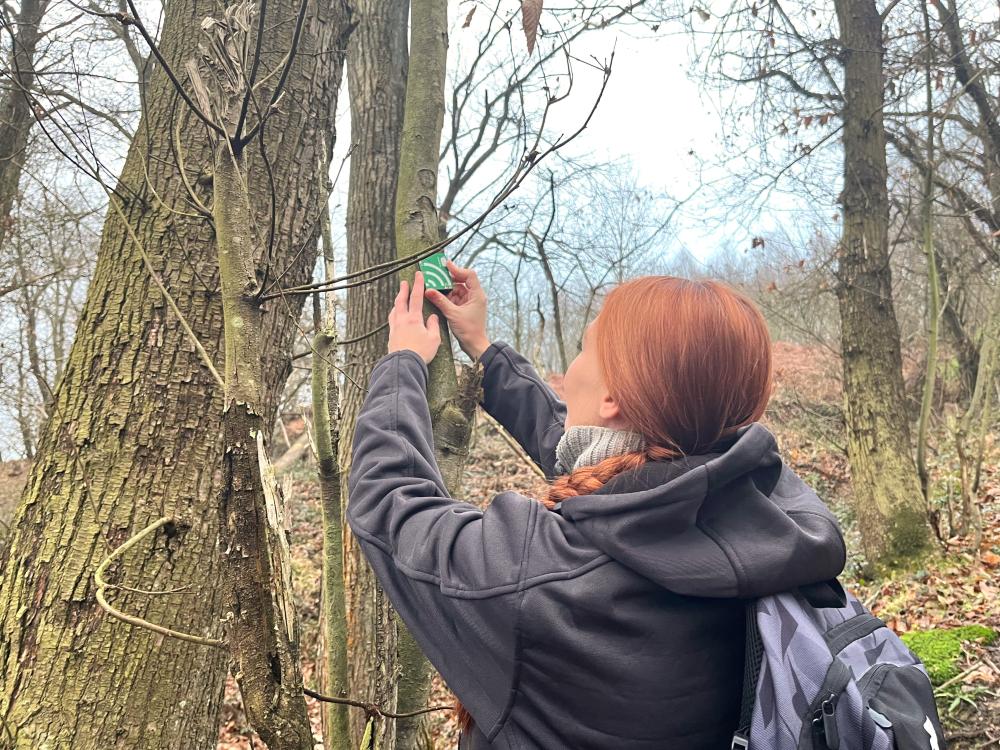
(435, 272)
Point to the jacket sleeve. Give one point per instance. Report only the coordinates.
(515, 395)
(452, 571)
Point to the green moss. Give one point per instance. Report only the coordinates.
(940, 649)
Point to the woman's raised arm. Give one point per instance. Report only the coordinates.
(527, 407)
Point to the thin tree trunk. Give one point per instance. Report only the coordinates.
(135, 429)
(933, 285)
(892, 519)
(971, 457)
(16, 117)
(326, 421)
(376, 76)
(452, 402)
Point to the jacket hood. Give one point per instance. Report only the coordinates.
(733, 523)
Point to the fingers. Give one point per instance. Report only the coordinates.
(408, 299)
(465, 275)
(417, 296)
(444, 304)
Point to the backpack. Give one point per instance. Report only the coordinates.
(823, 673)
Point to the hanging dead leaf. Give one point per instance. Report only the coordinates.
(468, 18)
(531, 11)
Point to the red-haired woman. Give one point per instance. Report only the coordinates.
(610, 614)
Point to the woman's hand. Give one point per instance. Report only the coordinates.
(406, 322)
(465, 309)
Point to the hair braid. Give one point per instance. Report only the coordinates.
(585, 481)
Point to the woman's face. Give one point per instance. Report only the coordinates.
(584, 391)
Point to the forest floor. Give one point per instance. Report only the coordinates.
(953, 588)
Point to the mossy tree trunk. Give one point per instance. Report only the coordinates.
(136, 422)
(376, 79)
(890, 507)
(325, 392)
(452, 402)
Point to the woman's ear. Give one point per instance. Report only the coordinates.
(609, 410)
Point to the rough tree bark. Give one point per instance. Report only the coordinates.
(376, 79)
(889, 502)
(136, 424)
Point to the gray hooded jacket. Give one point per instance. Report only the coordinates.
(614, 621)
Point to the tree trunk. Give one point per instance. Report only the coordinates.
(15, 109)
(889, 503)
(452, 403)
(259, 608)
(327, 425)
(136, 424)
(933, 287)
(376, 77)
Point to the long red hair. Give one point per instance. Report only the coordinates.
(689, 363)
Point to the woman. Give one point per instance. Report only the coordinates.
(610, 614)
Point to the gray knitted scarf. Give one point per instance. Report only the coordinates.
(586, 445)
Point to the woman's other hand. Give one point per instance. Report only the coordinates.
(407, 329)
(465, 309)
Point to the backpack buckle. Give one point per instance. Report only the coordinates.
(740, 742)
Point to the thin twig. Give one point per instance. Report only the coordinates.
(102, 585)
(371, 708)
(137, 22)
(513, 444)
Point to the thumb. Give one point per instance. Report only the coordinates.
(444, 304)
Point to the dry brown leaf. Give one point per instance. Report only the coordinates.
(468, 18)
(531, 11)
(991, 558)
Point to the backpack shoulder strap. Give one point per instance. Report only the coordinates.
(751, 672)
